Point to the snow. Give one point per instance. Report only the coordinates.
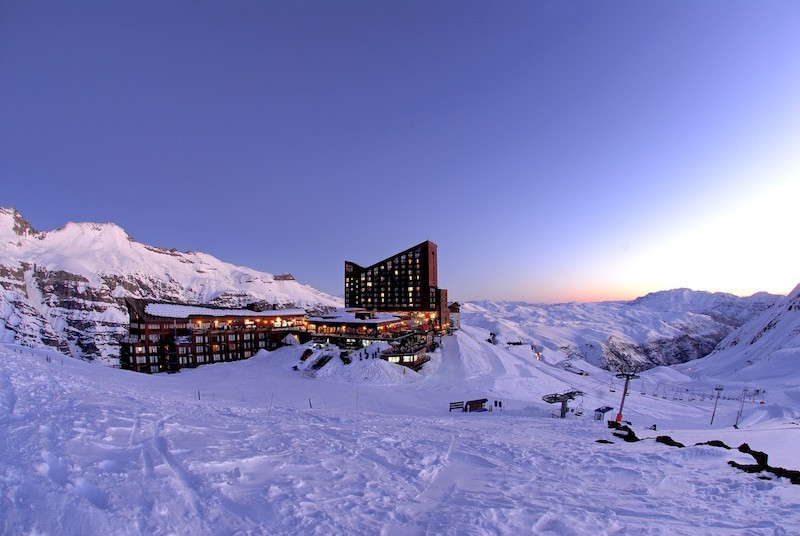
(169, 310)
(371, 448)
(62, 288)
(92, 250)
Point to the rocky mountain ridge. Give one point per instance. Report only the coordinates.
(63, 288)
(767, 346)
(661, 328)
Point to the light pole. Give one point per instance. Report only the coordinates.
(718, 389)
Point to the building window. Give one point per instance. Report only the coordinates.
(154, 349)
(154, 368)
(141, 359)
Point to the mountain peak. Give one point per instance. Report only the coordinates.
(94, 230)
(11, 218)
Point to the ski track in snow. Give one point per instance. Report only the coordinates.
(92, 450)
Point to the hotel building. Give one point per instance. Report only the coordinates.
(405, 282)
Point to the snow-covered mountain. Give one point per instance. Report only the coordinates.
(768, 346)
(661, 328)
(61, 288)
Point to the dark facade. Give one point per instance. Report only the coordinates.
(406, 281)
(167, 337)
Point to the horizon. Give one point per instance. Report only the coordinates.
(341, 295)
(555, 152)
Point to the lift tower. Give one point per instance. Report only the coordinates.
(628, 377)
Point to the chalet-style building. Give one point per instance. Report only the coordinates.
(455, 315)
(167, 336)
(405, 282)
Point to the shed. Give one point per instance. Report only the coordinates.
(600, 413)
(476, 405)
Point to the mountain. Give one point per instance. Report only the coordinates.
(63, 288)
(765, 347)
(661, 328)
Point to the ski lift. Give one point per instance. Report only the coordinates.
(612, 386)
(642, 391)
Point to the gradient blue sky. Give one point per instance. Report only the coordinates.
(554, 150)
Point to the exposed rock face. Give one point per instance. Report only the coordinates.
(63, 288)
(663, 328)
(767, 346)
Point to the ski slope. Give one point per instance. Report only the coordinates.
(371, 448)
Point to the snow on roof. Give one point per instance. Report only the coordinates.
(169, 310)
(344, 316)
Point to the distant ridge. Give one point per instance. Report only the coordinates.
(661, 328)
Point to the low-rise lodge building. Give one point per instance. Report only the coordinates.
(396, 300)
(354, 328)
(167, 336)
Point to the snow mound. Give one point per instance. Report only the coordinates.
(368, 371)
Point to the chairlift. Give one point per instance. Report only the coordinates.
(642, 391)
(612, 386)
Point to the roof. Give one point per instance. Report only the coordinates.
(343, 316)
(604, 409)
(170, 310)
(426, 245)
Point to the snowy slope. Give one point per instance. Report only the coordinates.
(257, 447)
(662, 328)
(61, 288)
(765, 348)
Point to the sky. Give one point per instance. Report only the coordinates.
(554, 150)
